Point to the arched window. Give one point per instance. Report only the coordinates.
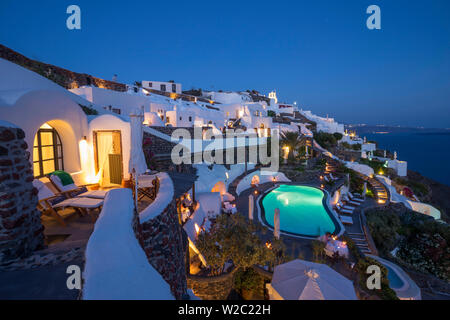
(47, 151)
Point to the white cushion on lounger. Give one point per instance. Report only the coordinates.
(350, 201)
(354, 198)
(43, 191)
(96, 194)
(345, 219)
(57, 181)
(80, 203)
(342, 207)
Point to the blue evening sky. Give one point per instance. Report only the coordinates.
(318, 53)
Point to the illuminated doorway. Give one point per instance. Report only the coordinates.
(108, 157)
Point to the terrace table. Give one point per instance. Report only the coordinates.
(334, 246)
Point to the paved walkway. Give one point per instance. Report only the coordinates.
(43, 274)
(47, 282)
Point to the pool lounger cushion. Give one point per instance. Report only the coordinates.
(355, 198)
(87, 203)
(96, 194)
(346, 220)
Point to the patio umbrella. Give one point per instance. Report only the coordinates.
(250, 207)
(304, 280)
(137, 158)
(276, 223)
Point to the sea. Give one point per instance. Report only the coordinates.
(426, 153)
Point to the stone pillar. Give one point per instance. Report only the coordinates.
(21, 230)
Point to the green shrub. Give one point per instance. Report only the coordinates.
(247, 279)
(318, 250)
(383, 226)
(338, 136)
(325, 140)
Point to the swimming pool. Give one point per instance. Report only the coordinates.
(394, 280)
(302, 210)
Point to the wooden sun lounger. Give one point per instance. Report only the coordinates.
(50, 201)
(80, 204)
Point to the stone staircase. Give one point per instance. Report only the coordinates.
(360, 241)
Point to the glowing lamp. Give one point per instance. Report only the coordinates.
(197, 229)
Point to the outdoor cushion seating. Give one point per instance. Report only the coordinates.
(49, 202)
(346, 220)
(332, 177)
(344, 211)
(344, 206)
(351, 202)
(72, 190)
(354, 198)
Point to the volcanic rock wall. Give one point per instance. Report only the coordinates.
(21, 231)
(65, 78)
(165, 243)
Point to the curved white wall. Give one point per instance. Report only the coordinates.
(35, 108)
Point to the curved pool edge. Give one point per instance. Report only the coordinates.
(410, 290)
(339, 228)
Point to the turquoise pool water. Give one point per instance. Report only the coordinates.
(301, 210)
(394, 280)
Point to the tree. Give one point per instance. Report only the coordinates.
(232, 238)
(325, 140)
(292, 140)
(338, 136)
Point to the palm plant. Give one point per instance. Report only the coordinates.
(292, 140)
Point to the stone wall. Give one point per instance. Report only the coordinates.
(21, 231)
(159, 147)
(212, 288)
(165, 243)
(65, 78)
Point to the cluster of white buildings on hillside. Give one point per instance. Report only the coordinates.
(87, 143)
